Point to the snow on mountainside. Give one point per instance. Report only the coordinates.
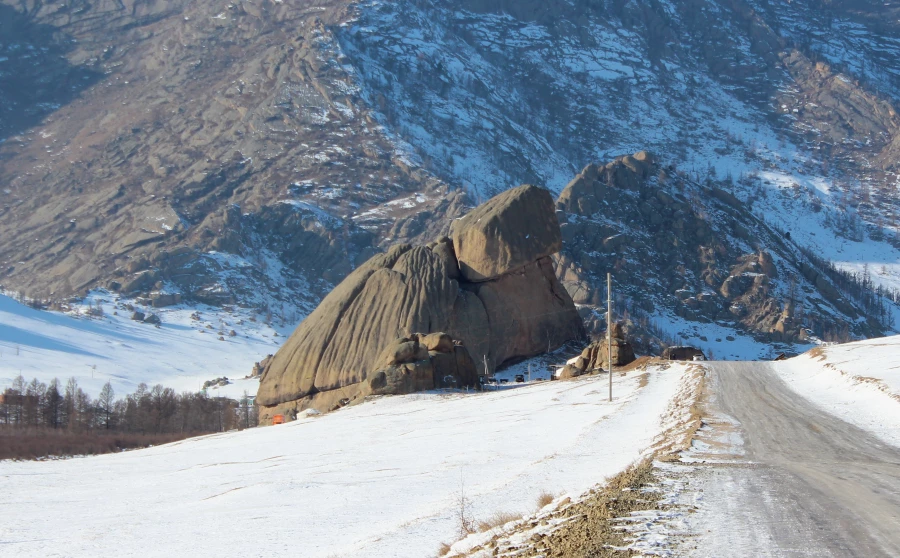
(259, 152)
(491, 97)
(379, 479)
(182, 353)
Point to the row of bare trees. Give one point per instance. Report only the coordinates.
(157, 410)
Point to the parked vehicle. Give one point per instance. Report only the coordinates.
(520, 378)
(488, 380)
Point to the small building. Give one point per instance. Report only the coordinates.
(682, 352)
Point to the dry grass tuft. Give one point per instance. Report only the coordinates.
(544, 499)
(817, 352)
(443, 550)
(498, 519)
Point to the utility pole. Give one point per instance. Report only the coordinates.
(609, 329)
(486, 376)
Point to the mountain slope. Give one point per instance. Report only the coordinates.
(214, 128)
(299, 138)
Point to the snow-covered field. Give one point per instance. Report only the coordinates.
(858, 382)
(182, 353)
(379, 479)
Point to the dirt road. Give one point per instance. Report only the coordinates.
(803, 483)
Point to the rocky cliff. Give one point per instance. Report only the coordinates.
(696, 250)
(491, 287)
(256, 153)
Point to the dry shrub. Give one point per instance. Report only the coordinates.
(464, 520)
(817, 352)
(498, 519)
(544, 499)
(444, 549)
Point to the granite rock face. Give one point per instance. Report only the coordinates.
(509, 231)
(360, 339)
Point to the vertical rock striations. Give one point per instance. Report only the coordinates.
(492, 289)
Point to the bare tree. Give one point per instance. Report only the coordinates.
(69, 416)
(52, 404)
(465, 522)
(106, 404)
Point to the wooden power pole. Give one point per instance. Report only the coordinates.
(609, 329)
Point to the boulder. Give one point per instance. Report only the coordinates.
(402, 351)
(454, 369)
(736, 285)
(469, 321)
(360, 340)
(596, 356)
(440, 342)
(443, 248)
(402, 378)
(260, 366)
(767, 264)
(570, 371)
(152, 319)
(506, 233)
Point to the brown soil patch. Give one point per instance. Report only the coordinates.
(592, 533)
(588, 528)
(639, 364)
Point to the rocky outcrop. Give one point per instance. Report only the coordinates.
(421, 362)
(690, 248)
(359, 340)
(595, 357)
(258, 367)
(506, 233)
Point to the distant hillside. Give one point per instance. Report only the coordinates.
(256, 152)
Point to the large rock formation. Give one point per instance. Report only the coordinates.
(515, 307)
(506, 233)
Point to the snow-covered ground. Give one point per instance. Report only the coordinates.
(722, 341)
(858, 382)
(713, 510)
(182, 353)
(379, 479)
